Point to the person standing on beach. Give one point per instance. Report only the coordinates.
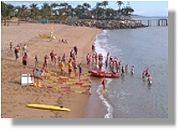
(10, 47)
(75, 50)
(74, 66)
(17, 51)
(88, 59)
(80, 70)
(36, 61)
(61, 66)
(24, 49)
(55, 58)
(93, 48)
(52, 56)
(64, 59)
(24, 60)
(70, 66)
(45, 63)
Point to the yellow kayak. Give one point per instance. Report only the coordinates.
(48, 107)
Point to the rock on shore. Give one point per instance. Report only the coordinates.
(107, 24)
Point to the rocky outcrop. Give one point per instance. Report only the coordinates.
(107, 24)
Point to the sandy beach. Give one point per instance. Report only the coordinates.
(15, 97)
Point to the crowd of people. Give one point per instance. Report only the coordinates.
(61, 61)
(113, 65)
(94, 60)
(109, 64)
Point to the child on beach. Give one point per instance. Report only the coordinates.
(24, 59)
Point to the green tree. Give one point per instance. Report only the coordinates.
(46, 10)
(86, 6)
(79, 11)
(103, 5)
(7, 10)
(127, 11)
(23, 12)
(119, 3)
(34, 11)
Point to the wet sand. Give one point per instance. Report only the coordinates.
(15, 97)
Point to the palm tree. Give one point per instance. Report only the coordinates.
(86, 7)
(34, 11)
(97, 9)
(7, 10)
(79, 10)
(23, 12)
(55, 10)
(104, 4)
(127, 11)
(65, 5)
(46, 10)
(120, 3)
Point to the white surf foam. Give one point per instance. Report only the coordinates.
(101, 50)
(106, 103)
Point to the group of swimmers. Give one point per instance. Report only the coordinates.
(112, 64)
(147, 75)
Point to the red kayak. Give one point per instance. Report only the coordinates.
(102, 74)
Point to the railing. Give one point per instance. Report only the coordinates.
(154, 22)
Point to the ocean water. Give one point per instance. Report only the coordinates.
(130, 96)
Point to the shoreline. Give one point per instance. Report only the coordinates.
(16, 96)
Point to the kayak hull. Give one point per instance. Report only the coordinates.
(101, 74)
(48, 107)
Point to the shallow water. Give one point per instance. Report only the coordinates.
(130, 96)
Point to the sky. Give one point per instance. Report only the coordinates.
(144, 8)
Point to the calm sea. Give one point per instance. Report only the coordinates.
(130, 96)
